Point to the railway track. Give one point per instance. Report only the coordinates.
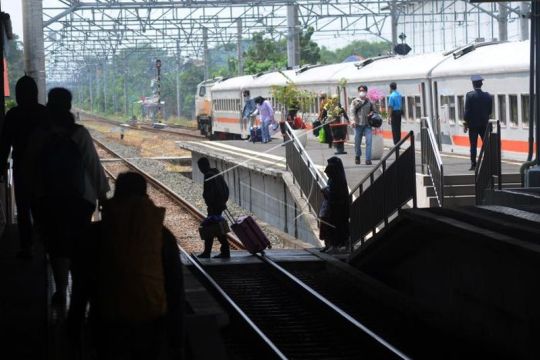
(182, 218)
(170, 129)
(292, 319)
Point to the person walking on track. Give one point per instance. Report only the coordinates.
(215, 194)
(478, 107)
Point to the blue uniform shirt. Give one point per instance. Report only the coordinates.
(249, 107)
(394, 100)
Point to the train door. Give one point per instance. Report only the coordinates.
(435, 120)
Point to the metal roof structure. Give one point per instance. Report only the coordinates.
(76, 31)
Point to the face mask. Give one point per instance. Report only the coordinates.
(362, 94)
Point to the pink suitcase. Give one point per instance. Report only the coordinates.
(249, 233)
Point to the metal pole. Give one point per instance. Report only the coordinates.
(91, 88)
(34, 51)
(532, 98)
(158, 67)
(126, 72)
(524, 20)
(105, 86)
(395, 19)
(503, 21)
(206, 54)
(178, 105)
(535, 16)
(239, 47)
(293, 36)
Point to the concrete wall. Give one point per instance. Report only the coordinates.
(264, 194)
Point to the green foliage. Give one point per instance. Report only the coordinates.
(15, 62)
(292, 97)
(309, 50)
(363, 48)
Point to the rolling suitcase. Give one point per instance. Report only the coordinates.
(249, 233)
(256, 134)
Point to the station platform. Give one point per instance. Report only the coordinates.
(242, 257)
(271, 157)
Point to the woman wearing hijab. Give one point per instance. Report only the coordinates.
(334, 213)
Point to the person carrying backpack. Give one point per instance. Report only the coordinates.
(69, 179)
(215, 194)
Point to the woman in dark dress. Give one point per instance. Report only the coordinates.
(334, 212)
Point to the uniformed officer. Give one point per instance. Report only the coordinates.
(478, 107)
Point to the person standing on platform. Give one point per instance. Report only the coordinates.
(334, 212)
(264, 109)
(249, 108)
(20, 124)
(361, 108)
(394, 112)
(478, 107)
(215, 194)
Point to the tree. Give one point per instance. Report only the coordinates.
(264, 54)
(363, 48)
(309, 50)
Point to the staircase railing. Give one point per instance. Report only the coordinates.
(489, 162)
(305, 172)
(432, 164)
(383, 192)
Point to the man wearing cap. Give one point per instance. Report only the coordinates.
(478, 107)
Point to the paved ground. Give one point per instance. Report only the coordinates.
(272, 155)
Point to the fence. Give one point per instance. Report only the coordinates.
(305, 172)
(380, 197)
(431, 159)
(489, 162)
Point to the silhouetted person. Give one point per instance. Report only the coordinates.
(20, 124)
(478, 107)
(334, 212)
(215, 194)
(69, 181)
(130, 271)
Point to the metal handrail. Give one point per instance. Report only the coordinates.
(489, 162)
(431, 159)
(299, 163)
(386, 193)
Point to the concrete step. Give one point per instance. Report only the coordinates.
(454, 201)
(459, 190)
(467, 179)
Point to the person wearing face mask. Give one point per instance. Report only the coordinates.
(361, 108)
(249, 108)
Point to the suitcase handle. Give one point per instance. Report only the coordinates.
(229, 216)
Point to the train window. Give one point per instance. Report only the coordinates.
(383, 104)
(418, 104)
(514, 114)
(525, 110)
(501, 101)
(452, 109)
(461, 107)
(410, 108)
(202, 91)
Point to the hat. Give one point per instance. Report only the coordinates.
(476, 78)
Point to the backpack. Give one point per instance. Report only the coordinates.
(62, 168)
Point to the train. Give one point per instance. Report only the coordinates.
(432, 85)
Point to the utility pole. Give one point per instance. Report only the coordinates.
(90, 87)
(126, 72)
(206, 54)
(178, 105)
(239, 47)
(293, 36)
(503, 21)
(105, 86)
(34, 51)
(395, 19)
(158, 68)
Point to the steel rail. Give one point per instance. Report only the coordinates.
(197, 264)
(167, 191)
(333, 307)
